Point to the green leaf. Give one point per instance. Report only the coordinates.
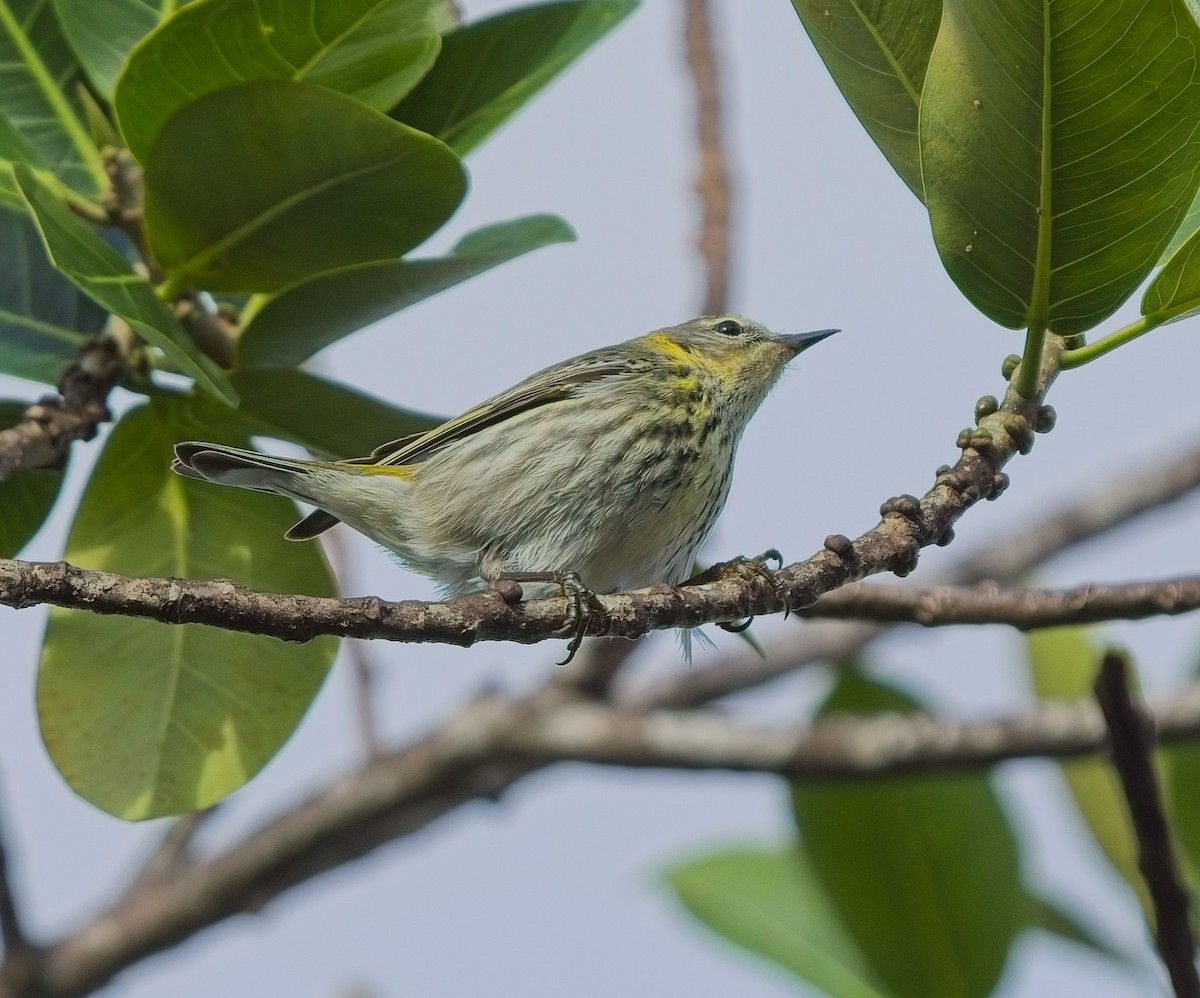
(771, 903)
(923, 871)
(146, 719)
(1175, 291)
(372, 50)
(37, 73)
(319, 182)
(1062, 666)
(877, 52)
(27, 496)
(1060, 151)
(14, 148)
(102, 34)
(43, 318)
(309, 316)
(490, 69)
(1187, 228)
(102, 274)
(328, 418)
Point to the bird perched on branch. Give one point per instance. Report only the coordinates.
(601, 474)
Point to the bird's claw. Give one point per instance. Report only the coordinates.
(579, 615)
(746, 568)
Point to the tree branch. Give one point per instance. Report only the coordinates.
(488, 745)
(1132, 737)
(53, 424)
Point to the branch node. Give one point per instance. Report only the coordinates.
(842, 546)
(1020, 429)
(988, 405)
(999, 483)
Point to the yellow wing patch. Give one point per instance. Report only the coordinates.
(402, 471)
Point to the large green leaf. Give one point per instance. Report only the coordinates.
(772, 903)
(488, 70)
(43, 317)
(102, 34)
(37, 74)
(1187, 228)
(922, 871)
(1175, 291)
(328, 418)
(373, 50)
(320, 181)
(1063, 666)
(146, 719)
(307, 317)
(1060, 149)
(102, 274)
(877, 52)
(26, 497)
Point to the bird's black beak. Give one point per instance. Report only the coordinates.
(799, 342)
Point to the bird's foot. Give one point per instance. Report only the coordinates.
(745, 568)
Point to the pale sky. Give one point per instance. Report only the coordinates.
(556, 889)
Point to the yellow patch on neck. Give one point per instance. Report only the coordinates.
(663, 344)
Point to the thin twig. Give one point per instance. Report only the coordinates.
(174, 851)
(363, 680)
(123, 205)
(1132, 738)
(1024, 608)
(713, 184)
(362, 669)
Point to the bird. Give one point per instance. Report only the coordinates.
(603, 473)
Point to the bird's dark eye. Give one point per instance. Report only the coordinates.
(727, 327)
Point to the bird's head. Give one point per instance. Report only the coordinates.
(737, 354)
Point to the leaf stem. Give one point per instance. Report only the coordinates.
(1086, 354)
(1026, 379)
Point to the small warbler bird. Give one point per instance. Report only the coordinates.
(610, 468)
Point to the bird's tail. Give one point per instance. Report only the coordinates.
(249, 470)
(294, 478)
(241, 468)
